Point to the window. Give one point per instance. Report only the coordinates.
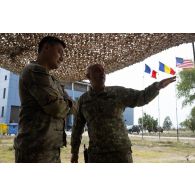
(2, 111)
(68, 86)
(76, 98)
(80, 87)
(5, 77)
(4, 91)
(14, 114)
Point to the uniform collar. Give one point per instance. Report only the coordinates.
(42, 67)
(94, 93)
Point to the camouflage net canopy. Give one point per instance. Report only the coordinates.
(114, 51)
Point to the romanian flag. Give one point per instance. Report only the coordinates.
(166, 69)
(149, 71)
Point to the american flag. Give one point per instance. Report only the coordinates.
(182, 63)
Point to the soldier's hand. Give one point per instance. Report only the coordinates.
(70, 103)
(165, 82)
(74, 108)
(74, 158)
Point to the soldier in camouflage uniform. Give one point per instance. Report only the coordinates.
(44, 106)
(101, 109)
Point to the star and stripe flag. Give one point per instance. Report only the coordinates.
(184, 63)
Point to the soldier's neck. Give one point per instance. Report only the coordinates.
(98, 89)
(42, 62)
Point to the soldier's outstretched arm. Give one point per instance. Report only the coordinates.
(133, 98)
(77, 131)
(165, 82)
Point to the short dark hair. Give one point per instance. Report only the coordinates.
(50, 40)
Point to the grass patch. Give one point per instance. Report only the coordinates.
(144, 151)
(171, 133)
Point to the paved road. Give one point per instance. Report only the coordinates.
(164, 138)
(150, 137)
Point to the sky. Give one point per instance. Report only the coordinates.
(165, 104)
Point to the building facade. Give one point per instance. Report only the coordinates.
(10, 101)
(9, 97)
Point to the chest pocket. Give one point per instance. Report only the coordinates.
(108, 106)
(101, 107)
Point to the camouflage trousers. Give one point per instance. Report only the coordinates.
(111, 157)
(43, 156)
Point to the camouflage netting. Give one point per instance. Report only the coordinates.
(114, 51)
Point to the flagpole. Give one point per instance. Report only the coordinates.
(176, 112)
(193, 51)
(143, 113)
(158, 112)
(176, 105)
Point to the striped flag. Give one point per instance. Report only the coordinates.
(182, 63)
(166, 69)
(149, 71)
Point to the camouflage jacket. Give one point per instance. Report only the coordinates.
(43, 110)
(102, 113)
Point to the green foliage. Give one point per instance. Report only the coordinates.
(190, 121)
(148, 122)
(167, 124)
(186, 124)
(186, 86)
(193, 112)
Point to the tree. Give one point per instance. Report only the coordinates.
(186, 89)
(167, 124)
(186, 86)
(186, 124)
(190, 121)
(148, 122)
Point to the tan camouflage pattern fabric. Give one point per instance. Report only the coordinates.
(111, 157)
(40, 156)
(103, 114)
(43, 111)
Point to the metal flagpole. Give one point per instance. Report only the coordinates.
(143, 113)
(176, 111)
(193, 51)
(158, 113)
(176, 107)
(142, 123)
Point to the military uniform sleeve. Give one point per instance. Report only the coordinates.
(37, 82)
(77, 130)
(132, 98)
(71, 101)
